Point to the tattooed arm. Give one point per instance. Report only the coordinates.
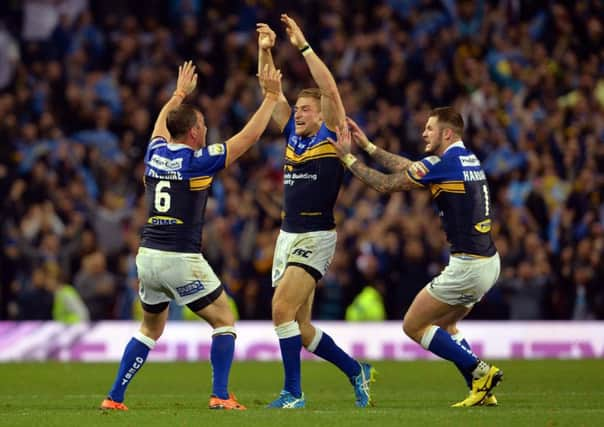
(392, 162)
(384, 183)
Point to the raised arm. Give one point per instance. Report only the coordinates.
(392, 162)
(331, 102)
(384, 183)
(266, 40)
(185, 84)
(270, 80)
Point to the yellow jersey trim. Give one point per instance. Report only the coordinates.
(200, 183)
(322, 149)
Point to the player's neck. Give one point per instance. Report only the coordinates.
(183, 141)
(446, 146)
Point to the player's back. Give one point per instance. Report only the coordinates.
(177, 180)
(459, 186)
(312, 177)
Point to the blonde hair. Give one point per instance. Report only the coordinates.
(313, 92)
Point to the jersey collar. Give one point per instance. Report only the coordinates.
(174, 146)
(458, 144)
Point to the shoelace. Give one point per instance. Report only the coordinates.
(365, 384)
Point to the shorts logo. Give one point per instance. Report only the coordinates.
(190, 288)
(467, 298)
(302, 252)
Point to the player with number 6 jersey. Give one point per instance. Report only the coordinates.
(179, 171)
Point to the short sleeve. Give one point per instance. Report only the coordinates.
(428, 170)
(325, 133)
(211, 159)
(290, 127)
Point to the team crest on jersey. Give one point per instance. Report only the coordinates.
(418, 170)
(216, 149)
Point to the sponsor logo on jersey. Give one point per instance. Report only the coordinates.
(163, 220)
(216, 149)
(469, 160)
(483, 226)
(165, 164)
(291, 178)
(190, 288)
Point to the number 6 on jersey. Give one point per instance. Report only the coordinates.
(162, 199)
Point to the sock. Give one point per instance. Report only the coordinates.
(133, 359)
(324, 346)
(481, 370)
(290, 342)
(459, 338)
(440, 343)
(221, 357)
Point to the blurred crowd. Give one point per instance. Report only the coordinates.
(82, 82)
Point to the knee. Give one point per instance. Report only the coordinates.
(282, 311)
(412, 330)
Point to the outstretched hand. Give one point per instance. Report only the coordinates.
(270, 80)
(187, 78)
(342, 145)
(358, 135)
(266, 36)
(295, 34)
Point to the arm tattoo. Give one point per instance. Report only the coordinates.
(384, 183)
(390, 161)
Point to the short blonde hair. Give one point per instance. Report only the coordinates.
(313, 92)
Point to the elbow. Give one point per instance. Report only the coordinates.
(330, 90)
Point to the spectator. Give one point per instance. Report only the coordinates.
(80, 84)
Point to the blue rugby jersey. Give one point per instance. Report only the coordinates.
(177, 180)
(459, 186)
(312, 175)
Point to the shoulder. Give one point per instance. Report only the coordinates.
(324, 132)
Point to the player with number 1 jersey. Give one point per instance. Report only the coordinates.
(458, 184)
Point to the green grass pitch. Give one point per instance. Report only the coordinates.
(533, 393)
